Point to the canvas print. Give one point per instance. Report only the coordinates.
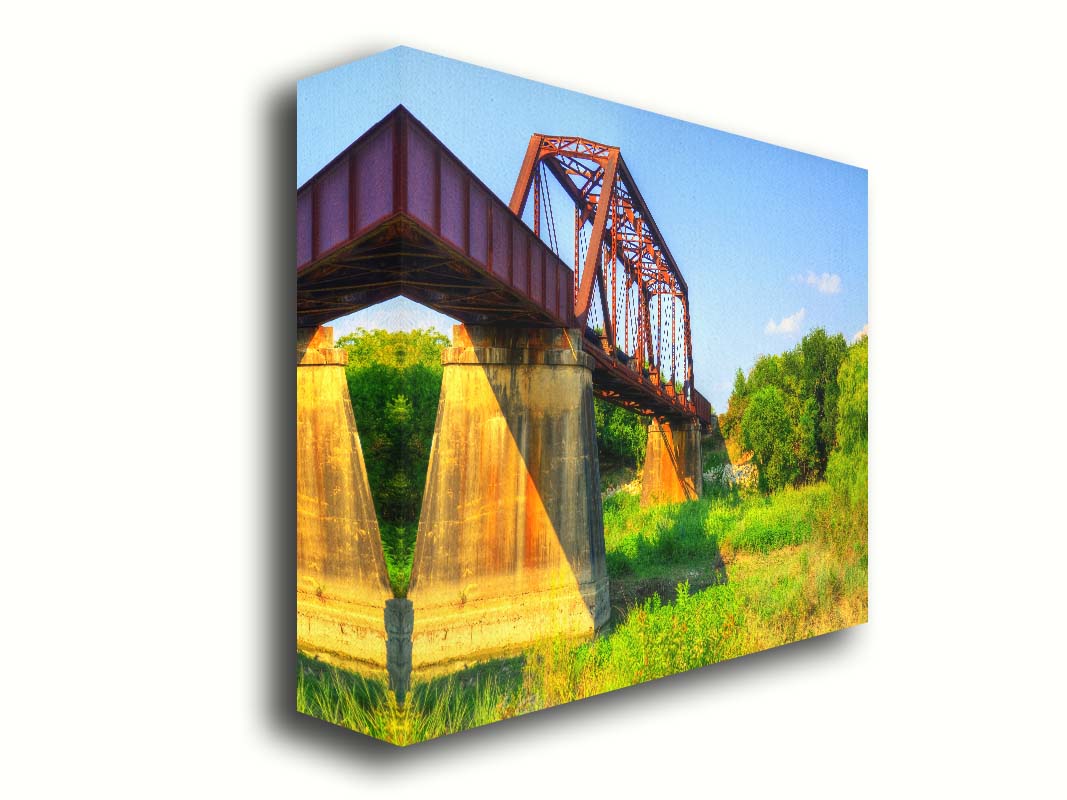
(581, 396)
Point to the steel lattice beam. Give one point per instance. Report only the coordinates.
(654, 294)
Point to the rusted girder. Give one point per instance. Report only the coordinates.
(396, 213)
(628, 273)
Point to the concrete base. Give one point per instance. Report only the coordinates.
(510, 548)
(398, 621)
(342, 583)
(672, 471)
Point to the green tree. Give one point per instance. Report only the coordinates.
(766, 431)
(806, 380)
(730, 422)
(852, 399)
(621, 434)
(739, 384)
(767, 371)
(394, 379)
(821, 358)
(847, 469)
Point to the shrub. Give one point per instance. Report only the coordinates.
(765, 430)
(621, 434)
(847, 471)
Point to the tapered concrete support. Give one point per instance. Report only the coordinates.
(342, 583)
(672, 471)
(510, 547)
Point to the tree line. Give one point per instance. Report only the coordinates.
(794, 410)
(394, 379)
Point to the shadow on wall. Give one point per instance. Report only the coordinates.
(511, 532)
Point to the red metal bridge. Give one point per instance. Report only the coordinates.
(396, 213)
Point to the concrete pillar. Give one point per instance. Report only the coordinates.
(673, 465)
(510, 547)
(341, 580)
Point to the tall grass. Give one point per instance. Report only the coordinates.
(488, 693)
(796, 564)
(646, 542)
(643, 542)
(797, 568)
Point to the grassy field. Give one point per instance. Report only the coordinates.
(691, 584)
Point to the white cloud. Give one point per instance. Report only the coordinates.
(827, 282)
(861, 332)
(790, 324)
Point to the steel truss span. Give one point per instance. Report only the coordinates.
(629, 294)
(396, 213)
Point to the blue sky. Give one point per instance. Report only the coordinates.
(772, 242)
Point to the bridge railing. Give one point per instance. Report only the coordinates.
(397, 191)
(701, 406)
(400, 167)
(629, 290)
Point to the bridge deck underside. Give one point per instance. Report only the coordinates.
(400, 258)
(396, 214)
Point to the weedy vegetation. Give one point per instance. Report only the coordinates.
(775, 570)
(743, 569)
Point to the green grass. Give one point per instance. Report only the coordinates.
(762, 524)
(398, 547)
(650, 542)
(715, 457)
(746, 573)
(487, 693)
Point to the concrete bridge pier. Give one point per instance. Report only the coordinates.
(342, 583)
(510, 547)
(673, 464)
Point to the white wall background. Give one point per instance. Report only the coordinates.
(147, 455)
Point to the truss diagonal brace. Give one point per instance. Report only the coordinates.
(522, 185)
(596, 239)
